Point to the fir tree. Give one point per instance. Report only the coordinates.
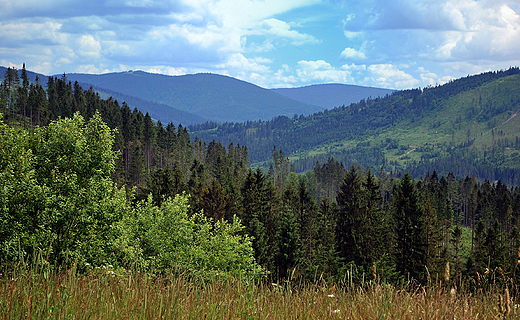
(410, 246)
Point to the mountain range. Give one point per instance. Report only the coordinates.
(209, 96)
(332, 95)
(198, 98)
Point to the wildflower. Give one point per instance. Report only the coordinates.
(87, 264)
(330, 296)
(336, 311)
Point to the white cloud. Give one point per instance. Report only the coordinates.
(389, 76)
(350, 53)
(239, 62)
(167, 70)
(427, 77)
(491, 33)
(354, 67)
(282, 29)
(322, 71)
(402, 43)
(89, 47)
(266, 46)
(352, 34)
(26, 30)
(246, 14)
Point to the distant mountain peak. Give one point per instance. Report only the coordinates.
(332, 95)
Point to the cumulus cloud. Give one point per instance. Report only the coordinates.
(350, 53)
(463, 29)
(322, 71)
(282, 29)
(395, 44)
(494, 37)
(389, 76)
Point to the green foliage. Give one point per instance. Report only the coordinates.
(166, 238)
(58, 195)
(409, 226)
(21, 198)
(58, 201)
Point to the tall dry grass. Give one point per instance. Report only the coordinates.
(42, 294)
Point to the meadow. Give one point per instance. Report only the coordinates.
(102, 293)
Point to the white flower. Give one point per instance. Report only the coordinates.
(336, 311)
(330, 296)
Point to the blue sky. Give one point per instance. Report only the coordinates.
(395, 44)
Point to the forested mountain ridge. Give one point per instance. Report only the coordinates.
(197, 98)
(90, 181)
(466, 126)
(332, 95)
(156, 110)
(216, 97)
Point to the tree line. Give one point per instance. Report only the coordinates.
(299, 136)
(92, 180)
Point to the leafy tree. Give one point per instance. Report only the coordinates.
(167, 238)
(21, 197)
(74, 162)
(60, 199)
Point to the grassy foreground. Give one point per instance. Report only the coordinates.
(105, 295)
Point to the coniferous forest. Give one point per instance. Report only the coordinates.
(89, 182)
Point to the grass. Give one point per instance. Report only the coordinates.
(102, 295)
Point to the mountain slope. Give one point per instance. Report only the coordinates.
(332, 95)
(216, 97)
(469, 126)
(156, 110)
(30, 74)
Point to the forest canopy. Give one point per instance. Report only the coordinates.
(88, 181)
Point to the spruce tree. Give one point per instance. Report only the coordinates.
(409, 229)
(350, 219)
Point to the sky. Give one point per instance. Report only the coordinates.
(397, 44)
